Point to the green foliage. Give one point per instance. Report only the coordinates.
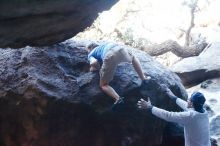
(129, 39)
(141, 43)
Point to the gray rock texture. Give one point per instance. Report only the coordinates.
(48, 97)
(196, 69)
(45, 22)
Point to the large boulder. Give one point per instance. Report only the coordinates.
(44, 22)
(196, 69)
(48, 97)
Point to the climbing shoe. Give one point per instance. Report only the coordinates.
(118, 103)
(146, 81)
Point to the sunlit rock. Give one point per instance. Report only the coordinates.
(199, 68)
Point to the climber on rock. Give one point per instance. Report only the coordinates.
(106, 57)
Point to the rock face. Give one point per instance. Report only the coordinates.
(214, 126)
(47, 97)
(197, 69)
(39, 22)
